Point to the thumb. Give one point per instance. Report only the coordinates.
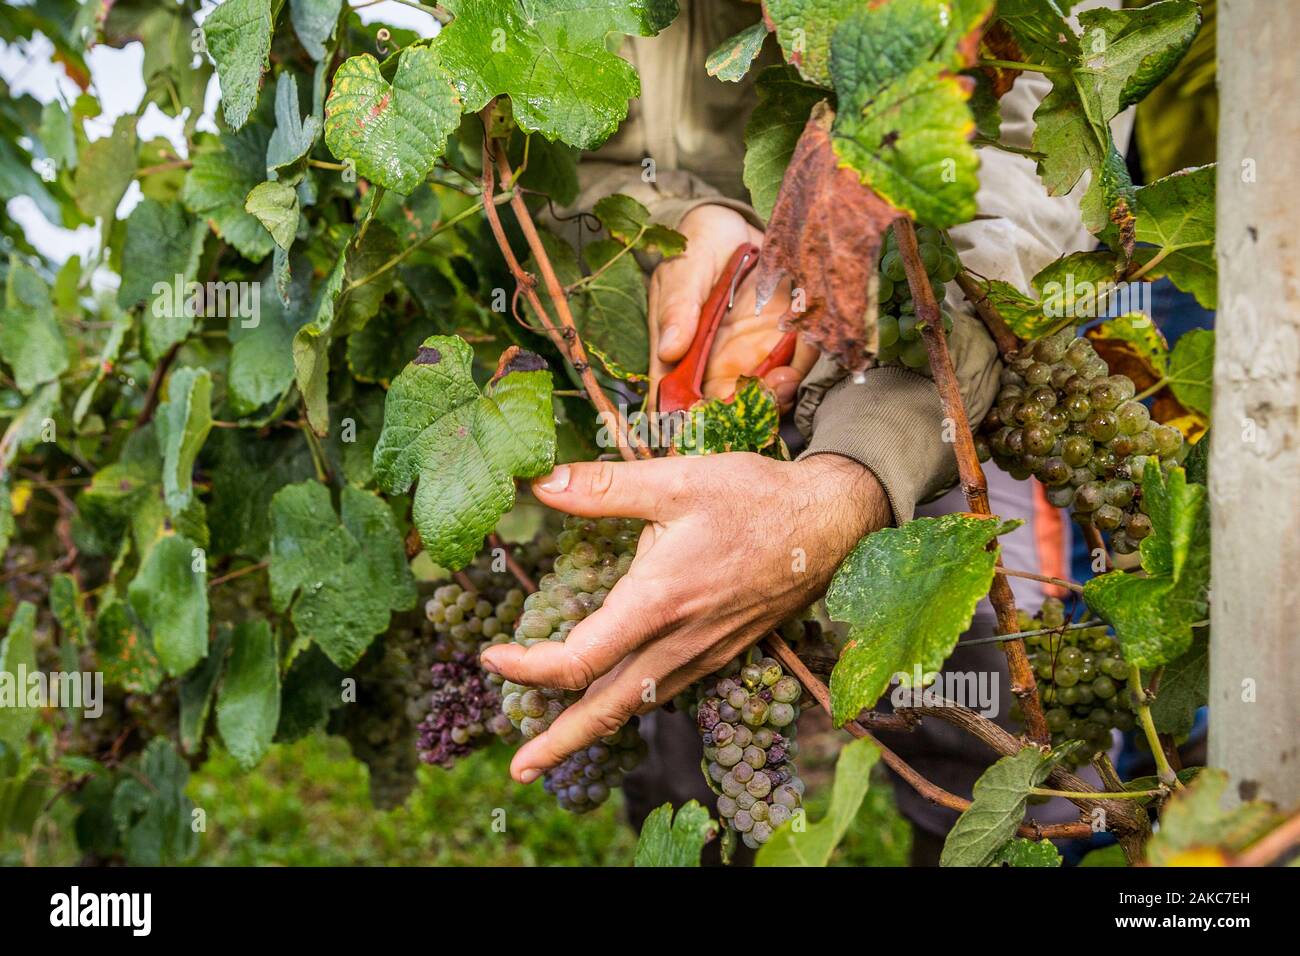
(655, 490)
(681, 286)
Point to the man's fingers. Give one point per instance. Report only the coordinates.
(656, 489)
(620, 626)
(784, 382)
(606, 707)
(683, 285)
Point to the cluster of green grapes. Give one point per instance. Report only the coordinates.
(1082, 682)
(593, 555)
(464, 621)
(585, 779)
(1063, 418)
(899, 330)
(746, 716)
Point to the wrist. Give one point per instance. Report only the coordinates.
(848, 492)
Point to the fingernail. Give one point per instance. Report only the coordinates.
(556, 481)
(488, 666)
(669, 339)
(785, 392)
(528, 776)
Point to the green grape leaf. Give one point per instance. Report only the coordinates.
(67, 604)
(1069, 288)
(238, 36)
(247, 470)
(224, 173)
(552, 167)
(393, 132)
(1176, 215)
(343, 573)
(294, 135)
(1191, 370)
(312, 689)
(17, 659)
(184, 420)
(125, 654)
(1197, 462)
(248, 704)
(197, 689)
(804, 28)
(1184, 687)
(1112, 855)
(170, 598)
(552, 59)
(150, 810)
(1153, 615)
(907, 593)
(1130, 51)
(610, 309)
(165, 34)
(106, 169)
(1022, 852)
(311, 364)
(275, 205)
(997, 807)
(466, 447)
(668, 840)
(261, 353)
(735, 55)
(31, 341)
(159, 258)
(1121, 56)
(749, 421)
(784, 104)
(1195, 829)
(903, 124)
(314, 21)
(629, 222)
(7, 526)
(56, 134)
(814, 845)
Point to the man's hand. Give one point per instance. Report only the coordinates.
(735, 544)
(678, 289)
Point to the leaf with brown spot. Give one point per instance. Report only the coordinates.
(999, 44)
(824, 237)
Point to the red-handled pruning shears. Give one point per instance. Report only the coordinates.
(682, 387)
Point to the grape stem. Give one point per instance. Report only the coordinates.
(1163, 769)
(1128, 825)
(513, 566)
(1082, 795)
(1006, 340)
(566, 339)
(1044, 578)
(973, 482)
(998, 638)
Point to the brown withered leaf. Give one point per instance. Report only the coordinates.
(824, 236)
(1123, 359)
(999, 44)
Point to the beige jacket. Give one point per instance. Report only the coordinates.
(690, 127)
